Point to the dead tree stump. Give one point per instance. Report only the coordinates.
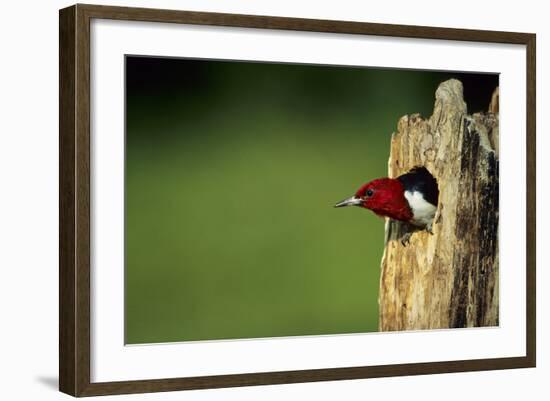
(447, 279)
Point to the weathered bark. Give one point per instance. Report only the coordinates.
(449, 278)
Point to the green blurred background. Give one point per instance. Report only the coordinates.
(232, 169)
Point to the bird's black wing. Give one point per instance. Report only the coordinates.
(419, 179)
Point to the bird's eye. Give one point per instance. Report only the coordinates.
(369, 192)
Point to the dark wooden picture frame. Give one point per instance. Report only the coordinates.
(74, 175)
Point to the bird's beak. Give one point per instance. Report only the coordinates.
(353, 201)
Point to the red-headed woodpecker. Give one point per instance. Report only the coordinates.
(411, 197)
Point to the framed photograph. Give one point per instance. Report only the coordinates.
(250, 200)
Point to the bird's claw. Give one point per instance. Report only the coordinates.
(429, 228)
(406, 239)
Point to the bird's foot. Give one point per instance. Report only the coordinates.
(429, 228)
(406, 239)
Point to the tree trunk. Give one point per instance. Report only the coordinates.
(449, 278)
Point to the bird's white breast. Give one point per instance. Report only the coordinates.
(423, 211)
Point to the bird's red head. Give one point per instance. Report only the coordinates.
(384, 196)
